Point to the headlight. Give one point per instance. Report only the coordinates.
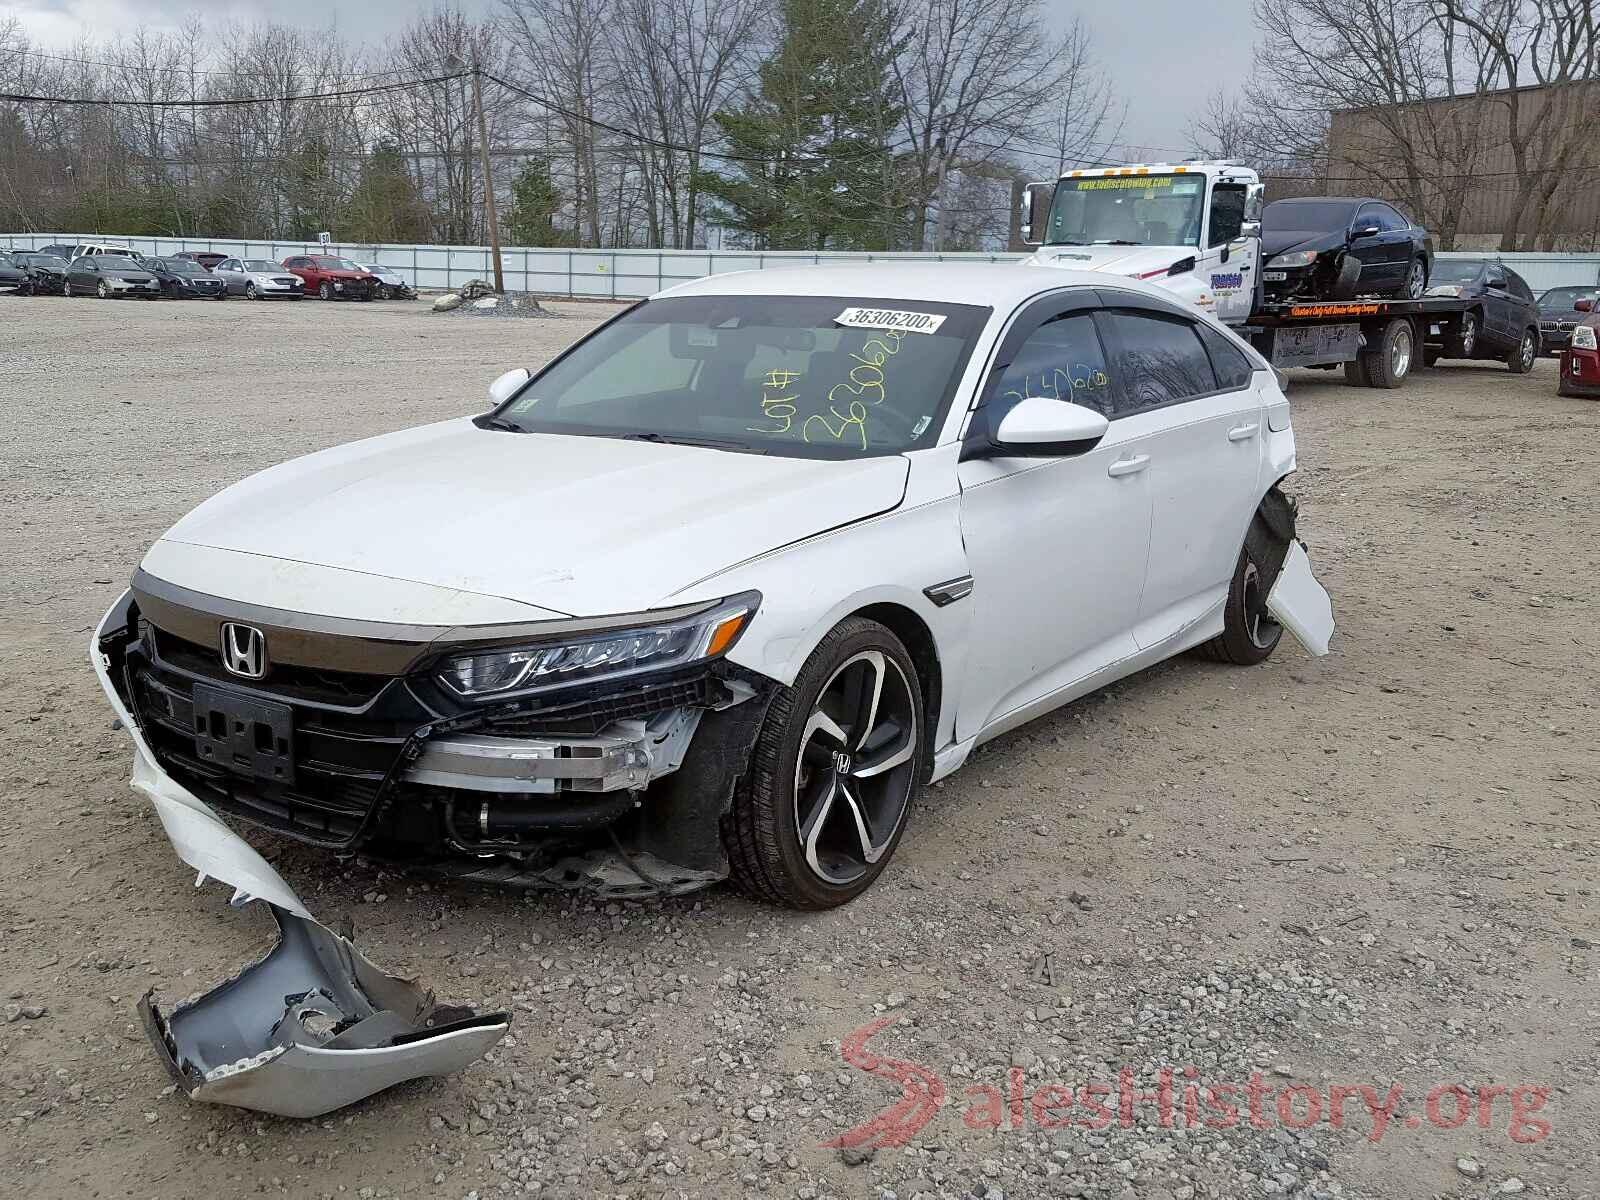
(338, 286)
(606, 654)
(1583, 338)
(1445, 289)
(1295, 258)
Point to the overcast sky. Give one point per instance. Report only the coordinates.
(1149, 47)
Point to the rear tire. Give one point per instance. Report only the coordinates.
(823, 748)
(1389, 363)
(1249, 634)
(1521, 360)
(1416, 283)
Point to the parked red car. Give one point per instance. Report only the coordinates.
(1580, 361)
(332, 278)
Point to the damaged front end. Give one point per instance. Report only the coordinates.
(313, 1025)
(424, 746)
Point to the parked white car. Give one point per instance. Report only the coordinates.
(391, 284)
(259, 279)
(721, 587)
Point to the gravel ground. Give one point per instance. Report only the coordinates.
(1371, 870)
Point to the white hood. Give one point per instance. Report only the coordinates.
(1115, 260)
(580, 526)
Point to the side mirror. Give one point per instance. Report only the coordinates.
(1041, 427)
(507, 386)
(1250, 229)
(1363, 231)
(1584, 305)
(1036, 199)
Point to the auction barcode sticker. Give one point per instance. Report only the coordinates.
(889, 318)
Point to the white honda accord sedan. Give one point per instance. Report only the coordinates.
(718, 590)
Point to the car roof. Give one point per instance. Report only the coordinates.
(994, 285)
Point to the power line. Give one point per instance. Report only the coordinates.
(179, 69)
(228, 102)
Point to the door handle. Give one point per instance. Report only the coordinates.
(1240, 433)
(1128, 466)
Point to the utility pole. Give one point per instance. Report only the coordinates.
(489, 217)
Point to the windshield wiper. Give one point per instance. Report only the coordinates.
(501, 424)
(1115, 242)
(662, 439)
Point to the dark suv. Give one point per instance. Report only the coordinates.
(1502, 320)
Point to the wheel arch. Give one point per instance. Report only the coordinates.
(918, 639)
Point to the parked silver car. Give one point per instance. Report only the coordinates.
(259, 279)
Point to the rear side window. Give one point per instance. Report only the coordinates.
(1061, 360)
(1154, 361)
(1519, 286)
(1232, 367)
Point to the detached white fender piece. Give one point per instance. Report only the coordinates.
(1300, 604)
(314, 1025)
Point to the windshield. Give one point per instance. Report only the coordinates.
(1136, 210)
(336, 264)
(1456, 270)
(115, 262)
(182, 266)
(799, 376)
(1561, 299)
(1311, 216)
(44, 260)
(263, 266)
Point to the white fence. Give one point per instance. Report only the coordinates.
(633, 273)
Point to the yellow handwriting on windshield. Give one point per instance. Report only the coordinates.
(777, 401)
(856, 421)
(867, 377)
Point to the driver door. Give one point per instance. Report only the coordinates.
(1056, 546)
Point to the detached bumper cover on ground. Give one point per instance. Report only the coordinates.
(312, 1026)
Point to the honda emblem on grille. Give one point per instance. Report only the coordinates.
(244, 650)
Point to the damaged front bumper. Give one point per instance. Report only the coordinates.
(312, 1026)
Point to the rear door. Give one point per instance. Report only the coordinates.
(1527, 308)
(1191, 390)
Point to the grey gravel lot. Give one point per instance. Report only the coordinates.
(1374, 870)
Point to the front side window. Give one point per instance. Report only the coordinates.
(1155, 361)
(1227, 213)
(1132, 210)
(1061, 360)
(799, 376)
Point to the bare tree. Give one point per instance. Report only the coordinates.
(979, 80)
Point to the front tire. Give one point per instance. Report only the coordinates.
(250, 292)
(66, 288)
(1249, 634)
(325, 290)
(1521, 359)
(102, 291)
(1463, 341)
(840, 757)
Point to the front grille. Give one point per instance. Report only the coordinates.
(341, 760)
(290, 282)
(345, 689)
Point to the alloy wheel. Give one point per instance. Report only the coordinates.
(856, 767)
(325, 291)
(1416, 280)
(66, 288)
(1400, 353)
(1529, 352)
(102, 291)
(250, 292)
(1469, 334)
(1262, 630)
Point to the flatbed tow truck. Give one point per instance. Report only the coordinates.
(1195, 228)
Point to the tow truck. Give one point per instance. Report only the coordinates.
(1195, 228)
